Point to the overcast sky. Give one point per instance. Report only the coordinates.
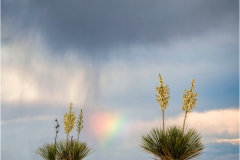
(105, 57)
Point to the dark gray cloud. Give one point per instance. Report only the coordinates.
(94, 26)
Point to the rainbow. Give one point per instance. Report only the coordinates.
(106, 126)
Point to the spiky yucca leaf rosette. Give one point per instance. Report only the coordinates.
(173, 143)
(64, 150)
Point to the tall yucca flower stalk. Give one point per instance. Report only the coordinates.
(69, 121)
(79, 124)
(189, 101)
(163, 96)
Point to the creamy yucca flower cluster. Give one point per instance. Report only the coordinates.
(69, 120)
(163, 94)
(189, 99)
(79, 124)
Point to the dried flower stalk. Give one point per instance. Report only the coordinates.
(57, 130)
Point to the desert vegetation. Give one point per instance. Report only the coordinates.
(69, 148)
(173, 142)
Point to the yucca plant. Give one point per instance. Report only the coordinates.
(72, 149)
(47, 151)
(80, 150)
(64, 150)
(173, 144)
(152, 143)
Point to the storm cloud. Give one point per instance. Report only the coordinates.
(98, 26)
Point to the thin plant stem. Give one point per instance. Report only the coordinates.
(163, 119)
(184, 120)
(55, 138)
(67, 137)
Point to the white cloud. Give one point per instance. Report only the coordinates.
(31, 75)
(16, 85)
(232, 141)
(211, 123)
